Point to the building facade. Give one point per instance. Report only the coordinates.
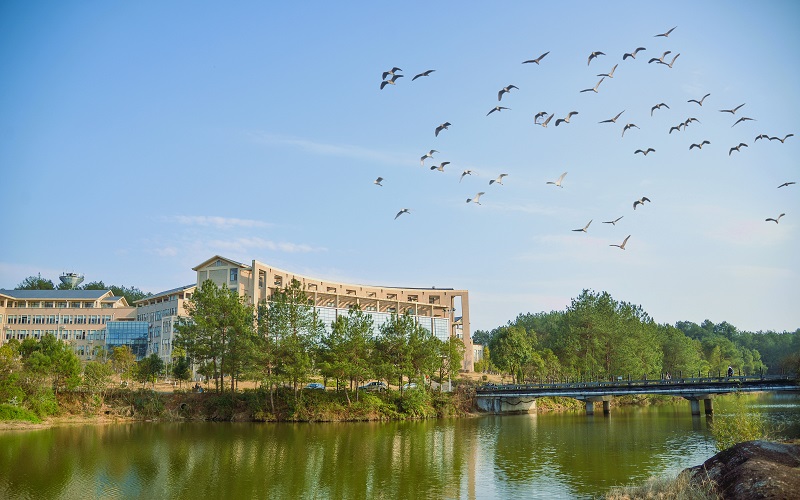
(161, 312)
(78, 317)
(442, 311)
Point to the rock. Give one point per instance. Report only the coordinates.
(754, 469)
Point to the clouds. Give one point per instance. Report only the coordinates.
(215, 221)
(337, 150)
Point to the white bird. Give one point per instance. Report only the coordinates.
(594, 89)
(699, 146)
(732, 111)
(427, 155)
(659, 59)
(391, 72)
(610, 74)
(496, 108)
(736, 148)
(775, 220)
(390, 82)
(565, 120)
(762, 136)
(540, 114)
(441, 127)
(613, 222)
(465, 172)
(632, 54)
(378, 181)
(658, 106)
(558, 181)
(424, 73)
(544, 123)
(671, 62)
(476, 198)
(537, 60)
(640, 202)
(505, 90)
(645, 151)
(613, 120)
(499, 180)
(700, 102)
(628, 126)
(593, 55)
(621, 247)
(441, 166)
(779, 139)
(742, 119)
(401, 212)
(584, 227)
(667, 33)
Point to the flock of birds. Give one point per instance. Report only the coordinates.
(544, 118)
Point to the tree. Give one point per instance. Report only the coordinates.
(511, 351)
(452, 353)
(123, 362)
(181, 369)
(51, 359)
(392, 348)
(148, 369)
(96, 377)
(35, 283)
(346, 351)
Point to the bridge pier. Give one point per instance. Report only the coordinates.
(694, 403)
(504, 404)
(590, 401)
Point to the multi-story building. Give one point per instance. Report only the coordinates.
(81, 318)
(434, 309)
(161, 312)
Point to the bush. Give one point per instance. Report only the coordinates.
(744, 424)
(11, 412)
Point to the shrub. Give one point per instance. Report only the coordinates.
(11, 412)
(743, 424)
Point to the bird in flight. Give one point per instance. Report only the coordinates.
(736, 148)
(505, 90)
(401, 212)
(613, 222)
(761, 136)
(666, 34)
(465, 172)
(645, 151)
(476, 198)
(391, 81)
(427, 155)
(565, 120)
(700, 102)
(441, 127)
(540, 114)
(659, 59)
(690, 120)
(658, 106)
(378, 181)
(676, 127)
(441, 166)
(584, 227)
(594, 89)
(779, 139)
(786, 184)
(640, 202)
(424, 73)
(558, 181)
(499, 180)
(537, 60)
(732, 111)
(776, 219)
(622, 246)
(632, 54)
(671, 62)
(544, 123)
(628, 126)
(391, 72)
(610, 74)
(613, 120)
(742, 119)
(699, 146)
(496, 108)
(594, 55)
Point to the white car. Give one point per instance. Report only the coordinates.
(410, 385)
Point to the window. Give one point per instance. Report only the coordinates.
(234, 274)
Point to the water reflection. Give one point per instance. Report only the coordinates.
(549, 455)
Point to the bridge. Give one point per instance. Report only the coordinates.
(522, 398)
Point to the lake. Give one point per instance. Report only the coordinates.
(554, 455)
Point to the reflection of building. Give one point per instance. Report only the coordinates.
(435, 309)
(78, 317)
(161, 312)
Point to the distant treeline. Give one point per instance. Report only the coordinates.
(600, 337)
(131, 294)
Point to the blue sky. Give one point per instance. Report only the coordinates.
(141, 138)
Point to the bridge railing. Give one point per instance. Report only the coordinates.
(621, 383)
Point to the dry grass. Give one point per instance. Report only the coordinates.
(680, 488)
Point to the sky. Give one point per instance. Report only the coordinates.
(138, 139)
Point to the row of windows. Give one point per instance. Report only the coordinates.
(440, 327)
(63, 334)
(57, 319)
(44, 304)
(157, 315)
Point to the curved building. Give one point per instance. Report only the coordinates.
(442, 311)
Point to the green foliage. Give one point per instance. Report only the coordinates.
(181, 369)
(123, 362)
(149, 368)
(416, 403)
(97, 376)
(745, 423)
(35, 283)
(11, 412)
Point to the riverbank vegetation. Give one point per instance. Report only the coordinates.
(599, 338)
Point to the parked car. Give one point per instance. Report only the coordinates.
(315, 386)
(373, 387)
(410, 385)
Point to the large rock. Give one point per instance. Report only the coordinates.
(755, 469)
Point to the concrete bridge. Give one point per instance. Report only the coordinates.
(522, 398)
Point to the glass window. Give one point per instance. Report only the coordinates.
(234, 274)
